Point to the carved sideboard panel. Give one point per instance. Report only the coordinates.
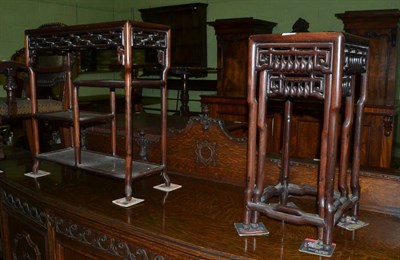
(32, 232)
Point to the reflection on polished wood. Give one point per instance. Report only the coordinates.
(193, 222)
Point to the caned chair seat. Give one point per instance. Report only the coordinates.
(17, 104)
(22, 107)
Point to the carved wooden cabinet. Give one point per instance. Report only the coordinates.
(188, 32)
(232, 43)
(382, 28)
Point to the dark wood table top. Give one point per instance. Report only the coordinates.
(200, 215)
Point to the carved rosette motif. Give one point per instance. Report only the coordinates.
(206, 153)
(102, 241)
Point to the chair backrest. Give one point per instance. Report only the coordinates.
(10, 69)
(51, 72)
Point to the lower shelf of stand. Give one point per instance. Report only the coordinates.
(104, 164)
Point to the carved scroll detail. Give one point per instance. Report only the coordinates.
(97, 40)
(24, 208)
(102, 241)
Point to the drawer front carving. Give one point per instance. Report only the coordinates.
(24, 208)
(101, 241)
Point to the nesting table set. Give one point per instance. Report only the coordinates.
(329, 67)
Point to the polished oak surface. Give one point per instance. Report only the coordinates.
(196, 219)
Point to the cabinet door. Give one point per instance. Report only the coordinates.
(23, 239)
(188, 32)
(381, 65)
(381, 27)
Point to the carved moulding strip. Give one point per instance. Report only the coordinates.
(19, 205)
(76, 41)
(98, 240)
(96, 40)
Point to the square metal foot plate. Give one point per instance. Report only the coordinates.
(350, 224)
(253, 230)
(316, 247)
(40, 173)
(171, 187)
(122, 202)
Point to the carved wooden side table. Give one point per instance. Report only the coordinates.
(125, 38)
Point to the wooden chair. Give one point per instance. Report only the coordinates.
(17, 104)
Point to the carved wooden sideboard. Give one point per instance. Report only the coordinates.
(69, 215)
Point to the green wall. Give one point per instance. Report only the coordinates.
(319, 13)
(18, 15)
